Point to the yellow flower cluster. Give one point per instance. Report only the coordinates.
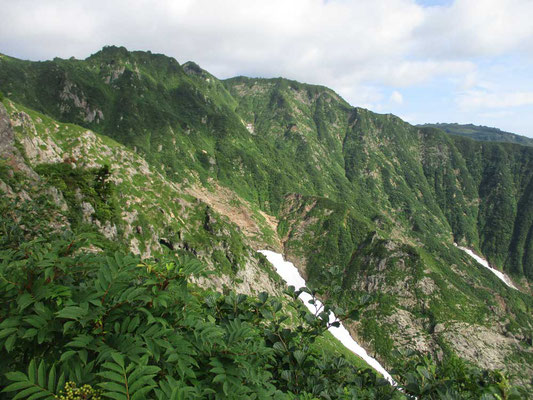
(72, 392)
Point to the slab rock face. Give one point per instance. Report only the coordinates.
(486, 347)
(8, 151)
(7, 137)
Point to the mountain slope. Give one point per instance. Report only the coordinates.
(421, 179)
(482, 133)
(265, 139)
(146, 213)
(366, 202)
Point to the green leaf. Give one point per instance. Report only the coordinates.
(7, 332)
(60, 381)
(27, 392)
(299, 356)
(134, 323)
(67, 355)
(71, 312)
(52, 379)
(10, 342)
(36, 321)
(17, 386)
(119, 359)
(263, 297)
(115, 387)
(32, 371)
(24, 301)
(116, 396)
(40, 395)
(68, 325)
(141, 393)
(29, 333)
(80, 341)
(17, 376)
(114, 367)
(41, 375)
(11, 322)
(111, 375)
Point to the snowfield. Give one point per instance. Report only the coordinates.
(504, 278)
(291, 275)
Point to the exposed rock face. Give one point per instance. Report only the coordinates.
(252, 224)
(413, 332)
(414, 301)
(154, 201)
(427, 285)
(57, 197)
(115, 73)
(87, 211)
(24, 189)
(72, 95)
(486, 347)
(108, 229)
(249, 280)
(8, 151)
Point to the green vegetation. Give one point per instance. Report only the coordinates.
(73, 321)
(158, 215)
(366, 203)
(451, 379)
(483, 133)
(93, 186)
(265, 139)
(141, 330)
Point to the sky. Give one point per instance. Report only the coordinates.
(465, 61)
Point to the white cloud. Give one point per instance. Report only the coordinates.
(389, 42)
(313, 40)
(476, 28)
(497, 114)
(364, 96)
(396, 97)
(477, 99)
(410, 73)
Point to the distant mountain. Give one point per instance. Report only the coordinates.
(483, 133)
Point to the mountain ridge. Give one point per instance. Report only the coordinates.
(481, 132)
(365, 202)
(279, 104)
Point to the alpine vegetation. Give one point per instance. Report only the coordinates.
(136, 193)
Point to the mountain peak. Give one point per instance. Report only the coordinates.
(113, 54)
(110, 52)
(193, 69)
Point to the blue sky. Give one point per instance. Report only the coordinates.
(460, 61)
(431, 3)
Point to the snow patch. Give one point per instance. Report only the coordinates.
(291, 275)
(504, 278)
